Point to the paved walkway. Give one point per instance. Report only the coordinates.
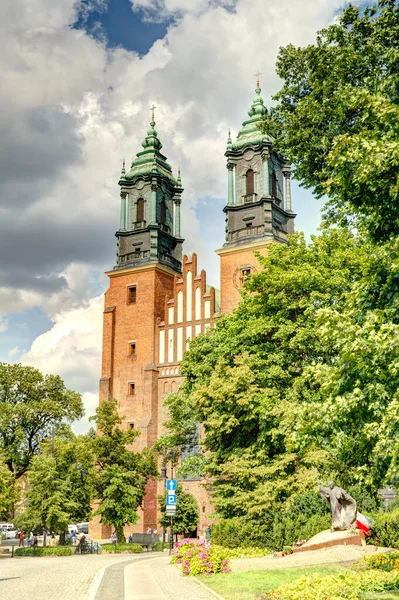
(92, 577)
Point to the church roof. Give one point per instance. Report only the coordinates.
(250, 133)
(150, 161)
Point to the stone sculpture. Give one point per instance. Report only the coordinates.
(343, 506)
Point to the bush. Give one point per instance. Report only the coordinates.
(240, 532)
(385, 562)
(307, 515)
(249, 552)
(122, 548)
(158, 547)
(197, 559)
(348, 585)
(387, 529)
(51, 551)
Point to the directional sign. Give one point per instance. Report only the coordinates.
(171, 485)
(171, 500)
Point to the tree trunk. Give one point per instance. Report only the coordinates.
(120, 535)
(44, 537)
(62, 539)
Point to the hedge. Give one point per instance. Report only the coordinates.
(122, 548)
(48, 551)
(387, 529)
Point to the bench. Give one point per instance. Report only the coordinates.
(147, 540)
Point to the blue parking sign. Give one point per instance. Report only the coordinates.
(171, 500)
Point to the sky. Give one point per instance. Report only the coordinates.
(77, 80)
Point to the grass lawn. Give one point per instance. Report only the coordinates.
(248, 585)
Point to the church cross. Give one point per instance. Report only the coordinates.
(257, 75)
(152, 108)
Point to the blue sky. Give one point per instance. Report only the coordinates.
(79, 77)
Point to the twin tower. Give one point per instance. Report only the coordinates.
(158, 301)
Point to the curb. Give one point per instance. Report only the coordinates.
(95, 584)
(208, 589)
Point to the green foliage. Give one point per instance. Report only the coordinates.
(122, 475)
(187, 514)
(249, 381)
(122, 548)
(60, 484)
(52, 551)
(347, 585)
(9, 493)
(159, 547)
(241, 533)
(33, 407)
(387, 529)
(337, 116)
(306, 516)
(248, 552)
(386, 562)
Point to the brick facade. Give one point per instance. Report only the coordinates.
(157, 303)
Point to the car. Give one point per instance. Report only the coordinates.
(11, 534)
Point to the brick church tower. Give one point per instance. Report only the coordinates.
(157, 302)
(256, 213)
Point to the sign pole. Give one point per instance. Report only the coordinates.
(171, 536)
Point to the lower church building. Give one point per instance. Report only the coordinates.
(158, 299)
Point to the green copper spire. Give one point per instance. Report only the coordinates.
(150, 161)
(250, 132)
(229, 142)
(179, 178)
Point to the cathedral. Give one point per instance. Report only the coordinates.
(158, 299)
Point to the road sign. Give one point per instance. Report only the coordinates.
(171, 500)
(171, 485)
(171, 511)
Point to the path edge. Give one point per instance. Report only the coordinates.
(208, 589)
(95, 584)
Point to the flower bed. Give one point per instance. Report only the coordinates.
(344, 586)
(196, 558)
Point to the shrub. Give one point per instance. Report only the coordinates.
(158, 547)
(348, 586)
(197, 559)
(250, 552)
(240, 532)
(387, 529)
(386, 562)
(122, 548)
(51, 551)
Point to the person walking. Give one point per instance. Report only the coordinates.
(21, 540)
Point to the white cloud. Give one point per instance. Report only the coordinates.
(13, 351)
(3, 324)
(71, 110)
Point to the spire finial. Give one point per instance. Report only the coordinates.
(229, 141)
(257, 75)
(152, 108)
(178, 177)
(123, 164)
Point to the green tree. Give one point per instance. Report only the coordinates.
(242, 379)
(33, 407)
(122, 475)
(60, 484)
(8, 491)
(337, 116)
(187, 515)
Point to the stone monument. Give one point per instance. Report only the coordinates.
(343, 506)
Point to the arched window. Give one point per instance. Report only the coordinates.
(162, 212)
(140, 210)
(250, 182)
(274, 185)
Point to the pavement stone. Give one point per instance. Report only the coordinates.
(175, 585)
(56, 578)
